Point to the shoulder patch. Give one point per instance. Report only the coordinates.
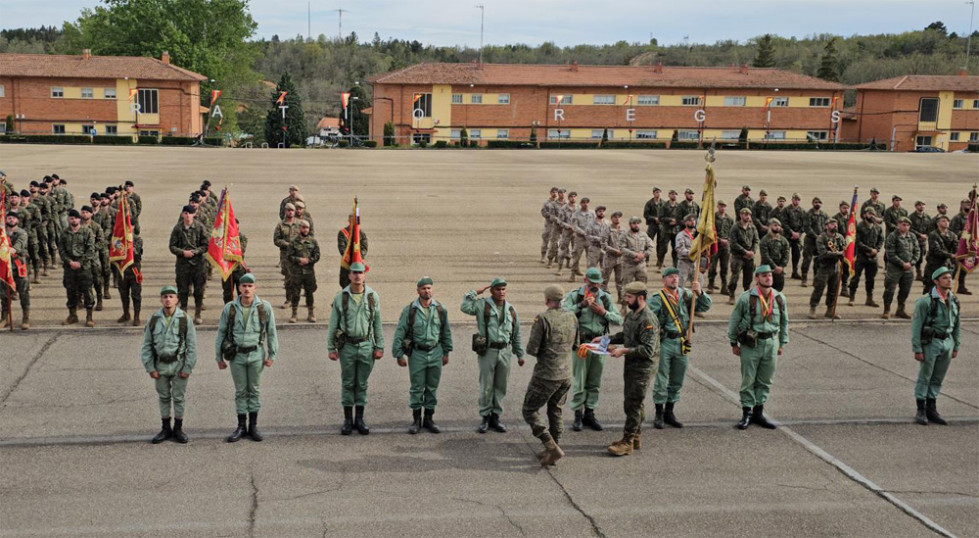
(649, 326)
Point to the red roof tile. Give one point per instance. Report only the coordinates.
(925, 83)
(59, 66)
(593, 75)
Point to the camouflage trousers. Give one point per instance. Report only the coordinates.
(824, 281)
(866, 267)
(633, 271)
(565, 244)
(131, 287)
(594, 256)
(746, 268)
(23, 294)
(552, 393)
(796, 254)
(636, 374)
(78, 283)
(900, 279)
(553, 241)
(721, 261)
(299, 281)
(579, 247)
(808, 253)
(608, 268)
(664, 242)
(97, 277)
(229, 287)
(545, 238)
(688, 272)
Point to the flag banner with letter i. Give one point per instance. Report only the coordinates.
(224, 245)
(121, 248)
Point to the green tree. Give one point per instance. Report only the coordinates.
(463, 138)
(604, 137)
(293, 130)
(356, 119)
(827, 66)
(766, 52)
(389, 134)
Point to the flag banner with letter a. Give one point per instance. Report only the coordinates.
(851, 236)
(351, 254)
(965, 256)
(224, 245)
(121, 247)
(705, 244)
(6, 259)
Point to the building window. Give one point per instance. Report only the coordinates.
(502, 134)
(730, 134)
(3, 127)
(645, 134)
(149, 133)
(974, 137)
(780, 102)
(476, 98)
(649, 100)
(455, 134)
(819, 101)
(953, 137)
(423, 103)
(775, 135)
(691, 100)
(109, 93)
(2, 92)
(688, 135)
(603, 100)
(148, 101)
(921, 141)
(817, 135)
(597, 134)
(958, 103)
(928, 109)
(418, 138)
(88, 93)
(565, 99)
(456, 98)
(503, 99)
(57, 92)
(111, 129)
(87, 129)
(734, 101)
(58, 128)
(475, 134)
(975, 104)
(554, 134)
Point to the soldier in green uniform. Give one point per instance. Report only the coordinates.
(957, 225)
(302, 214)
(291, 199)
(285, 231)
(304, 253)
(868, 243)
(581, 221)
(131, 285)
(814, 224)
(874, 203)
(942, 211)
(188, 242)
(553, 337)
(636, 248)
(498, 330)
(593, 308)
(935, 340)
(229, 287)
(743, 200)
(424, 335)
(49, 213)
(671, 307)
(101, 244)
(77, 249)
(639, 344)
(100, 219)
(565, 243)
(942, 247)
(758, 331)
(761, 211)
(356, 338)
(774, 250)
(902, 254)
(612, 255)
(19, 256)
(743, 240)
(892, 214)
(722, 260)
(650, 213)
(830, 249)
(247, 342)
(793, 220)
(920, 226)
(546, 212)
(669, 217)
(169, 354)
(596, 231)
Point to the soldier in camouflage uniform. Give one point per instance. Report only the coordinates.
(612, 255)
(553, 337)
(19, 256)
(229, 287)
(581, 221)
(942, 211)
(135, 202)
(78, 253)
(902, 253)
(64, 201)
(722, 260)
(957, 225)
(188, 242)
(639, 344)
(743, 240)
(546, 211)
(942, 247)
(556, 210)
(814, 223)
(761, 211)
(100, 219)
(892, 214)
(31, 214)
(867, 244)
(302, 214)
(920, 227)
(636, 248)
(743, 200)
(131, 285)
(567, 232)
(842, 219)
(650, 213)
(304, 253)
(669, 218)
(285, 231)
(101, 244)
(874, 203)
(830, 249)
(291, 199)
(774, 249)
(8, 189)
(687, 207)
(684, 244)
(793, 220)
(49, 214)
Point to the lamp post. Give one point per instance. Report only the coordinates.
(968, 42)
(482, 13)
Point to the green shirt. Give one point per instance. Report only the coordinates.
(741, 320)
(553, 338)
(947, 319)
(247, 327)
(430, 329)
(869, 237)
(77, 246)
(901, 249)
(591, 324)
(162, 335)
(682, 310)
(497, 330)
(361, 321)
(743, 239)
(640, 335)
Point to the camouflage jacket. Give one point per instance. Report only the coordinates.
(942, 247)
(304, 247)
(869, 237)
(901, 249)
(78, 246)
(553, 338)
(890, 217)
(743, 239)
(774, 251)
(193, 238)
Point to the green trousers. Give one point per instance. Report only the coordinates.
(494, 369)
(672, 369)
(899, 279)
(356, 363)
(587, 381)
(172, 389)
(246, 372)
(424, 372)
(758, 372)
(931, 371)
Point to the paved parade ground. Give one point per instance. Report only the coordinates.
(77, 409)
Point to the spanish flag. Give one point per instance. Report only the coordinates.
(121, 247)
(850, 251)
(352, 253)
(6, 259)
(224, 245)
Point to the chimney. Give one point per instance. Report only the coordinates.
(86, 54)
(658, 68)
(963, 72)
(165, 58)
(744, 69)
(574, 66)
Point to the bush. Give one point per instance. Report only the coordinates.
(553, 144)
(633, 144)
(214, 141)
(973, 148)
(113, 140)
(147, 139)
(809, 146)
(441, 144)
(370, 143)
(684, 145)
(343, 143)
(464, 138)
(178, 140)
(389, 134)
(47, 139)
(422, 144)
(509, 144)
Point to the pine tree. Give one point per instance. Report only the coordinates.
(293, 131)
(766, 52)
(827, 66)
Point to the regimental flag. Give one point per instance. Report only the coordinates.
(705, 244)
(282, 98)
(6, 260)
(121, 247)
(345, 98)
(352, 253)
(132, 93)
(224, 245)
(969, 240)
(558, 99)
(215, 95)
(851, 236)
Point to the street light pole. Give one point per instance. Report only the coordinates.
(482, 13)
(968, 43)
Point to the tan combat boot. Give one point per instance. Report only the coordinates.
(887, 312)
(89, 322)
(26, 322)
(637, 441)
(5, 320)
(622, 447)
(44, 270)
(295, 315)
(901, 313)
(72, 317)
(551, 453)
(312, 314)
(812, 312)
(850, 303)
(830, 314)
(197, 315)
(870, 301)
(136, 321)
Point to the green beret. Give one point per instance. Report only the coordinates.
(940, 217)
(247, 278)
(425, 281)
(746, 188)
(795, 196)
(939, 272)
(688, 191)
(816, 199)
(657, 189)
(168, 290)
(763, 269)
(594, 275)
(919, 202)
(896, 198)
(357, 267)
(553, 293)
(773, 221)
(745, 210)
(690, 216)
(635, 220)
(722, 202)
(762, 193)
(874, 189)
(780, 199)
(635, 288)
(670, 271)
(904, 220)
(498, 281)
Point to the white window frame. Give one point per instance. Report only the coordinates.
(647, 100)
(3, 127)
(974, 136)
(819, 136)
(57, 92)
(690, 100)
(958, 104)
(820, 102)
(731, 134)
(685, 135)
(502, 134)
(476, 99)
(503, 99)
(975, 103)
(149, 132)
(475, 134)
(455, 134)
(456, 98)
(565, 100)
(953, 136)
(646, 134)
(3, 92)
(141, 97)
(553, 134)
(109, 93)
(87, 129)
(735, 100)
(775, 135)
(780, 102)
(596, 134)
(87, 93)
(56, 127)
(603, 99)
(111, 129)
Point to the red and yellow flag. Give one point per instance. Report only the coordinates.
(132, 93)
(215, 95)
(282, 98)
(966, 254)
(6, 259)
(352, 253)
(224, 245)
(345, 98)
(121, 247)
(851, 236)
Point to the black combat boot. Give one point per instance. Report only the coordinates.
(484, 426)
(416, 423)
(669, 417)
(658, 418)
(590, 420)
(758, 417)
(576, 425)
(165, 432)
(253, 427)
(429, 424)
(494, 422)
(359, 423)
(348, 421)
(921, 417)
(240, 431)
(178, 431)
(745, 418)
(931, 411)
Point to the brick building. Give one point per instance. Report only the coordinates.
(917, 110)
(52, 94)
(434, 101)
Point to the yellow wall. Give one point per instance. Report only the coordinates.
(751, 101)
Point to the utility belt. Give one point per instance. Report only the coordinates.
(246, 349)
(670, 334)
(929, 334)
(420, 347)
(167, 358)
(355, 340)
(498, 345)
(750, 338)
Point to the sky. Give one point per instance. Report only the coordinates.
(564, 22)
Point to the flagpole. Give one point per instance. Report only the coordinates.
(958, 266)
(839, 276)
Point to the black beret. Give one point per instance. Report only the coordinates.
(74, 213)
(195, 197)
(105, 195)
(55, 176)
(47, 178)
(129, 183)
(35, 184)
(87, 208)
(189, 209)
(25, 192)
(95, 195)
(206, 182)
